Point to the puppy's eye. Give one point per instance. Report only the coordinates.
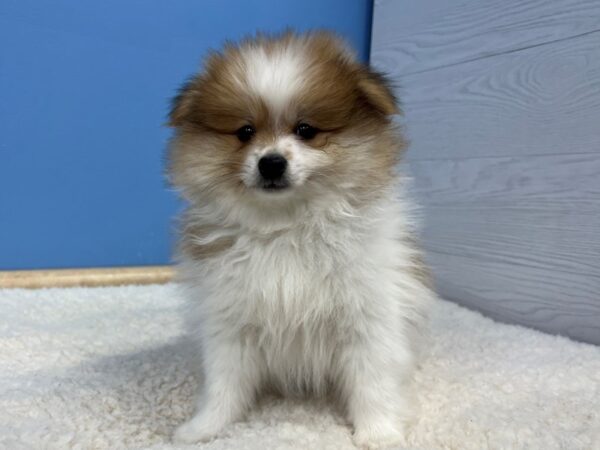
(245, 133)
(306, 131)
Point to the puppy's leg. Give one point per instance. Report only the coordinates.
(375, 373)
(232, 374)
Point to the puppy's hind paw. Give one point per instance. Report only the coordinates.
(379, 436)
(193, 432)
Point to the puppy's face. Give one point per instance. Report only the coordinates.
(276, 119)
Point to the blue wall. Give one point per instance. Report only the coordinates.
(84, 91)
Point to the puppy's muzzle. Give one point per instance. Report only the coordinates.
(272, 168)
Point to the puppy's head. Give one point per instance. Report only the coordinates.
(273, 121)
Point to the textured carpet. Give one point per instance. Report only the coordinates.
(106, 368)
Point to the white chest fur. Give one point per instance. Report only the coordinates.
(305, 273)
(333, 301)
(300, 293)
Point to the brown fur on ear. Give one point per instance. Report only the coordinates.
(377, 92)
(182, 104)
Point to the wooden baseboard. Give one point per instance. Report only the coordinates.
(112, 276)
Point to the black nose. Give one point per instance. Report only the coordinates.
(272, 166)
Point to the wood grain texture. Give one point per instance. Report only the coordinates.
(517, 238)
(544, 100)
(62, 278)
(502, 108)
(412, 36)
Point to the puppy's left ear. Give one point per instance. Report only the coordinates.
(183, 104)
(376, 90)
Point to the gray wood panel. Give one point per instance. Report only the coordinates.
(517, 238)
(543, 100)
(413, 36)
(502, 107)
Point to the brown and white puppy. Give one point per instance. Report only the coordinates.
(298, 244)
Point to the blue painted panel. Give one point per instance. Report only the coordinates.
(84, 91)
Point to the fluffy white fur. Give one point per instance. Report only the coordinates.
(326, 300)
(276, 78)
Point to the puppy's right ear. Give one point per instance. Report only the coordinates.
(378, 92)
(182, 106)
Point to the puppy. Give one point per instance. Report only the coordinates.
(297, 246)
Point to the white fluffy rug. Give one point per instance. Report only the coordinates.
(106, 368)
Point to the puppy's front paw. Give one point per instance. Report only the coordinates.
(379, 434)
(196, 430)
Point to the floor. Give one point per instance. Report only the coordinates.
(109, 368)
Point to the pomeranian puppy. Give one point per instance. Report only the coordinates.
(297, 248)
